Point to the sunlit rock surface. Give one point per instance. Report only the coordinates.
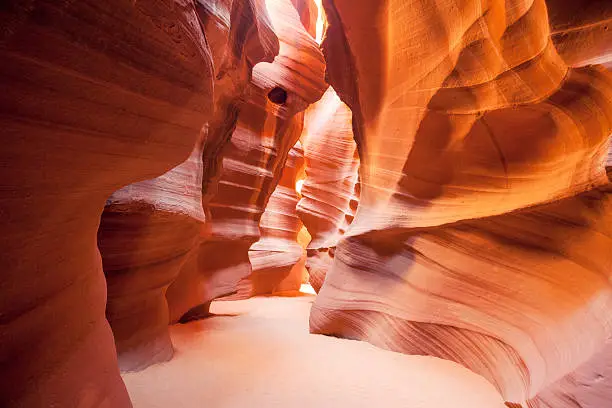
(478, 229)
(148, 229)
(462, 306)
(277, 259)
(268, 124)
(308, 12)
(483, 232)
(95, 96)
(328, 203)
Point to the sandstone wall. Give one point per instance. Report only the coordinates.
(96, 95)
(328, 198)
(267, 126)
(483, 228)
(148, 229)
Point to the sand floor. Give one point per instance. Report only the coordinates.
(258, 353)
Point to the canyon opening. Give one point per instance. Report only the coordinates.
(299, 203)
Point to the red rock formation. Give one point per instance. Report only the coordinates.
(96, 95)
(609, 160)
(277, 259)
(308, 11)
(331, 169)
(517, 344)
(483, 228)
(582, 30)
(149, 228)
(146, 231)
(590, 385)
(268, 125)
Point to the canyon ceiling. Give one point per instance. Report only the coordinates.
(438, 170)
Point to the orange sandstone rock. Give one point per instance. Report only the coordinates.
(149, 228)
(268, 124)
(582, 30)
(96, 95)
(483, 228)
(331, 175)
(277, 259)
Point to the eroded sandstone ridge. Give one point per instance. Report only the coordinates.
(483, 233)
(96, 95)
(267, 126)
(582, 30)
(328, 194)
(146, 231)
(277, 259)
(149, 229)
(456, 189)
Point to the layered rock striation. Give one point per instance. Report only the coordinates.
(267, 125)
(483, 228)
(457, 186)
(582, 30)
(146, 231)
(328, 194)
(149, 229)
(277, 259)
(96, 95)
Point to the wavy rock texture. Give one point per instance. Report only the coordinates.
(328, 200)
(277, 259)
(483, 231)
(146, 231)
(268, 125)
(320, 260)
(149, 228)
(582, 30)
(609, 160)
(455, 294)
(590, 385)
(96, 95)
(308, 15)
(241, 36)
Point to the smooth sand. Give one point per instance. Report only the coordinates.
(258, 353)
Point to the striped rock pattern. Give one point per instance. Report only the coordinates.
(96, 95)
(277, 259)
(149, 228)
(328, 203)
(483, 231)
(268, 124)
(582, 30)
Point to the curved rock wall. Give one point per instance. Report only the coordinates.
(148, 229)
(268, 125)
(581, 30)
(481, 132)
(327, 205)
(507, 296)
(96, 95)
(483, 228)
(277, 259)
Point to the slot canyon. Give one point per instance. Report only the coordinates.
(306, 203)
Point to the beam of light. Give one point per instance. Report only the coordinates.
(306, 288)
(298, 186)
(320, 21)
